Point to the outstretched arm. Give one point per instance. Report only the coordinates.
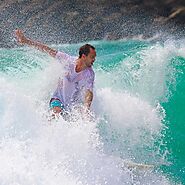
(23, 40)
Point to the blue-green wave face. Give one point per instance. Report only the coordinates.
(138, 117)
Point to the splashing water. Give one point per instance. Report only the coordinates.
(133, 80)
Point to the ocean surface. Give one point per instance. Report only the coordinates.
(137, 117)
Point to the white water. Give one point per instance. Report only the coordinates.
(36, 151)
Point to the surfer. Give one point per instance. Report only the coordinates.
(76, 86)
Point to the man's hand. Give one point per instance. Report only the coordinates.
(20, 37)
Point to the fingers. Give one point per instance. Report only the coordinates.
(19, 36)
(18, 33)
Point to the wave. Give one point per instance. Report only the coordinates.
(132, 82)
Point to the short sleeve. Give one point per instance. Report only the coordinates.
(64, 58)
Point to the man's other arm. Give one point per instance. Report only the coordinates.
(88, 99)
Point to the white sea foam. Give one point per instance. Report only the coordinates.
(34, 150)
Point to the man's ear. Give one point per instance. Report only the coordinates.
(83, 55)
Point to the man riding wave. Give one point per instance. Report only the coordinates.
(77, 85)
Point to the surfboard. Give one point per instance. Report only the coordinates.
(139, 166)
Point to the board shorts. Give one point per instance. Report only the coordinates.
(55, 102)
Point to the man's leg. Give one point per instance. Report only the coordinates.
(57, 110)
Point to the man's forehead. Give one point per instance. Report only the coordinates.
(92, 51)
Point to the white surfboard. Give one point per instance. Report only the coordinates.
(139, 166)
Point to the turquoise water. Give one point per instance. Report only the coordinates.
(138, 107)
(175, 119)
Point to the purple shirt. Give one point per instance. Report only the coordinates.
(71, 89)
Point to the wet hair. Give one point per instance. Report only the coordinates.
(85, 49)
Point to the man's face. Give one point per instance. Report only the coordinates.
(90, 58)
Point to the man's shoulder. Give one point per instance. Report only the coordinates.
(62, 56)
